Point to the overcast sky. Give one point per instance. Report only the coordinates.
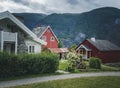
(55, 6)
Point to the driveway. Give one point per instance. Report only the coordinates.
(56, 77)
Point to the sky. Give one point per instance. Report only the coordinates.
(55, 6)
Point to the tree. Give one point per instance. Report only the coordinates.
(72, 47)
(60, 43)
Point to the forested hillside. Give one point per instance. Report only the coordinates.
(102, 23)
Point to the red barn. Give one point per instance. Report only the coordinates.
(103, 49)
(46, 33)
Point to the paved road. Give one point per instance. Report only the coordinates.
(57, 77)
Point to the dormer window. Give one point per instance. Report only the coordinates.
(44, 38)
(52, 38)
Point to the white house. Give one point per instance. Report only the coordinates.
(15, 37)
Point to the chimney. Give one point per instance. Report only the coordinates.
(93, 39)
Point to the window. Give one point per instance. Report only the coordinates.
(44, 38)
(52, 38)
(31, 49)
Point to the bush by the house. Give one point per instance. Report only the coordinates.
(95, 63)
(14, 65)
(82, 65)
(72, 57)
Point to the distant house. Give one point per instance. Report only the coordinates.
(103, 49)
(15, 37)
(46, 33)
(62, 52)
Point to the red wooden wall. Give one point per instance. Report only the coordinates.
(50, 44)
(105, 56)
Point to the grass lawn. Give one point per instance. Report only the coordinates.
(89, 82)
(63, 65)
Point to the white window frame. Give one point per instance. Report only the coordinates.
(44, 38)
(31, 49)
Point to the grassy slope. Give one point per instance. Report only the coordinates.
(90, 82)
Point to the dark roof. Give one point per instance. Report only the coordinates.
(104, 45)
(39, 31)
(86, 47)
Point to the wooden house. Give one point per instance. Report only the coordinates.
(103, 49)
(15, 37)
(46, 34)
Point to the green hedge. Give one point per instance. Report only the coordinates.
(15, 65)
(95, 63)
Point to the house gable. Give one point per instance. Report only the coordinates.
(91, 46)
(50, 38)
(48, 28)
(21, 25)
(87, 43)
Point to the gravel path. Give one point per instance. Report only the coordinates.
(56, 77)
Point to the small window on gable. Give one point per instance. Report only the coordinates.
(52, 38)
(44, 38)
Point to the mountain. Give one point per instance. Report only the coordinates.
(101, 23)
(30, 19)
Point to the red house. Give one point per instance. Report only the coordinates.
(103, 49)
(46, 33)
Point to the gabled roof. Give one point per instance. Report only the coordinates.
(85, 47)
(41, 30)
(7, 14)
(104, 45)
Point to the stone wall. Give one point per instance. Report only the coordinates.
(22, 48)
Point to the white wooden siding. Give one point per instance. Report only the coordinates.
(37, 47)
(7, 36)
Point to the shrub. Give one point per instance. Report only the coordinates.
(95, 63)
(72, 57)
(82, 65)
(14, 65)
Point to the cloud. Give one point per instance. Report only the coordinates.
(73, 2)
(55, 6)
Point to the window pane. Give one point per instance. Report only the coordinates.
(52, 38)
(29, 49)
(32, 49)
(44, 38)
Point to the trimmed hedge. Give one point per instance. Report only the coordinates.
(95, 63)
(15, 65)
